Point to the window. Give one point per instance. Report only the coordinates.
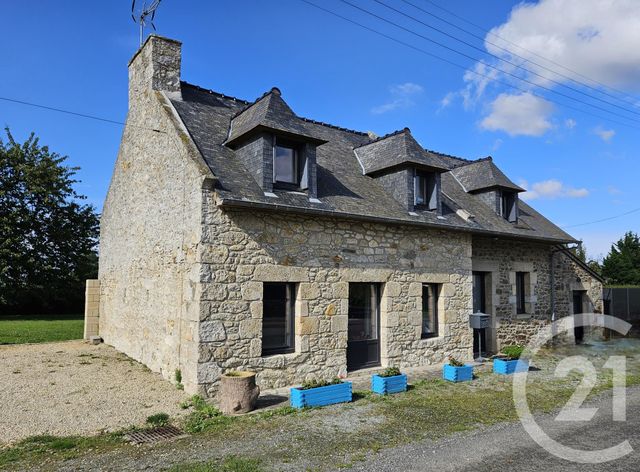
(479, 292)
(510, 206)
(363, 311)
(520, 292)
(429, 310)
(278, 318)
(426, 190)
(289, 165)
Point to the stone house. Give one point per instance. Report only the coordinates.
(238, 235)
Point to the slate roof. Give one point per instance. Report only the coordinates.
(268, 112)
(483, 174)
(343, 189)
(396, 149)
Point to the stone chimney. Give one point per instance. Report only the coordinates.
(156, 66)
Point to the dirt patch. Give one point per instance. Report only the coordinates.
(71, 388)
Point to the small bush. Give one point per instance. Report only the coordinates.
(157, 420)
(204, 417)
(178, 376)
(455, 362)
(512, 352)
(390, 372)
(309, 384)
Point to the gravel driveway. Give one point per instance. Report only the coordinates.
(73, 387)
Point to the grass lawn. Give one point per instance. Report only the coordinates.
(339, 436)
(40, 328)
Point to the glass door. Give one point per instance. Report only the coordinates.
(363, 344)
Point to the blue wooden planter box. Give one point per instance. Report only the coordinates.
(321, 396)
(457, 374)
(387, 385)
(504, 367)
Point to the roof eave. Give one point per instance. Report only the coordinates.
(251, 204)
(232, 141)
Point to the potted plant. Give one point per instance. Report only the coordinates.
(389, 381)
(320, 393)
(509, 361)
(456, 371)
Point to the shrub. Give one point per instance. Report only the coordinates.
(309, 384)
(512, 352)
(178, 376)
(455, 362)
(390, 372)
(157, 420)
(204, 417)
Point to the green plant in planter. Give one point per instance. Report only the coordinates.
(455, 362)
(233, 373)
(512, 352)
(390, 372)
(309, 384)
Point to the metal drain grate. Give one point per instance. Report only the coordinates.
(162, 433)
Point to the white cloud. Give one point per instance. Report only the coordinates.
(604, 134)
(402, 97)
(408, 88)
(570, 123)
(447, 100)
(496, 144)
(551, 189)
(522, 114)
(596, 38)
(613, 190)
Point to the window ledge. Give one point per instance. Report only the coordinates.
(431, 340)
(523, 316)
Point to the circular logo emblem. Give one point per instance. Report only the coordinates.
(546, 334)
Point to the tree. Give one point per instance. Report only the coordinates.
(48, 238)
(581, 252)
(622, 264)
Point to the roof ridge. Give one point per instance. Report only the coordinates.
(213, 92)
(472, 161)
(329, 125)
(388, 135)
(250, 104)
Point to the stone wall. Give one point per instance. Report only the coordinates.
(150, 229)
(502, 258)
(242, 249)
(91, 308)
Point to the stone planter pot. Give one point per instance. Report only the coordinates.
(508, 367)
(321, 396)
(457, 374)
(386, 385)
(238, 392)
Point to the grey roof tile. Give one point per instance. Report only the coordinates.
(343, 190)
(269, 112)
(396, 149)
(483, 174)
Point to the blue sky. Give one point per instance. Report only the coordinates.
(578, 167)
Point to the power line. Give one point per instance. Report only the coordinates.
(548, 89)
(460, 66)
(603, 219)
(475, 25)
(596, 89)
(81, 115)
(468, 44)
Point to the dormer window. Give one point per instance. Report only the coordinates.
(426, 190)
(509, 206)
(289, 165)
